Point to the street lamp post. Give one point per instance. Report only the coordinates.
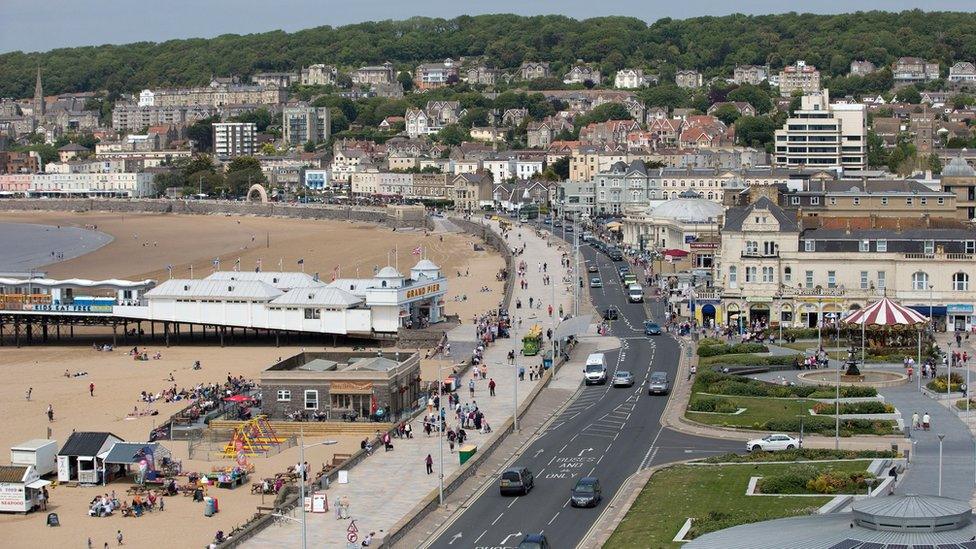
(301, 460)
(941, 437)
(440, 436)
(819, 323)
(515, 377)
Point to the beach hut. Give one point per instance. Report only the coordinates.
(20, 488)
(139, 459)
(82, 458)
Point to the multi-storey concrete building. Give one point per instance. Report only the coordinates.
(276, 79)
(959, 178)
(302, 123)
(130, 117)
(233, 139)
(799, 76)
(824, 135)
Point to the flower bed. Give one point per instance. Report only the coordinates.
(717, 405)
(806, 479)
(717, 383)
(939, 384)
(874, 407)
(747, 359)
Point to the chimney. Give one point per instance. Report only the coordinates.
(847, 228)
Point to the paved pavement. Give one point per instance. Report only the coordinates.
(386, 486)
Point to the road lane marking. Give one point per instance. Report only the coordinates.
(513, 503)
(479, 537)
(494, 522)
(553, 518)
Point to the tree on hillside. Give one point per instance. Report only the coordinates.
(909, 94)
(201, 133)
(754, 95)
(727, 113)
(242, 172)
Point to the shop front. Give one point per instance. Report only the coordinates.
(960, 316)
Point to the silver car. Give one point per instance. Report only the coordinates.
(658, 384)
(623, 379)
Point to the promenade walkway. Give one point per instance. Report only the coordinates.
(387, 485)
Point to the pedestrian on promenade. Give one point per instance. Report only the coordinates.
(91, 389)
(915, 421)
(408, 430)
(521, 373)
(491, 387)
(429, 461)
(925, 421)
(471, 387)
(911, 371)
(50, 413)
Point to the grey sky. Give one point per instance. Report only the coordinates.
(40, 25)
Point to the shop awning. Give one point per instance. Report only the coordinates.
(38, 484)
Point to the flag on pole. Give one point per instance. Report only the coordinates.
(169, 270)
(237, 264)
(417, 250)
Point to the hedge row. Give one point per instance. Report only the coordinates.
(750, 360)
(871, 407)
(826, 425)
(805, 479)
(738, 348)
(713, 404)
(801, 454)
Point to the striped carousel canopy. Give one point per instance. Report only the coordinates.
(885, 313)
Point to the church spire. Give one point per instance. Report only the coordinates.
(39, 106)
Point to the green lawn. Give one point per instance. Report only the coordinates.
(676, 493)
(758, 410)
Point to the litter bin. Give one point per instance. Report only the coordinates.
(465, 452)
(547, 360)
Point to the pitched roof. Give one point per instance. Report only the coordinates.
(12, 473)
(281, 280)
(319, 296)
(85, 443)
(129, 452)
(734, 217)
(241, 289)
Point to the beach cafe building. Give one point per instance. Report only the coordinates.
(20, 488)
(75, 295)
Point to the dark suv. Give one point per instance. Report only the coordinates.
(516, 480)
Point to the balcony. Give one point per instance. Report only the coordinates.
(759, 255)
(940, 256)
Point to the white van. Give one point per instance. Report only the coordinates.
(635, 293)
(595, 371)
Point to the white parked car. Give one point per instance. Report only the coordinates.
(772, 443)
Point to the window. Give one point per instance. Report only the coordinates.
(970, 246)
(864, 246)
(923, 201)
(930, 246)
(752, 247)
(909, 201)
(809, 279)
(795, 200)
(770, 248)
(315, 314)
(284, 395)
(814, 200)
(884, 200)
(856, 200)
(733, 275)
(881, 280)
(809, 246)
(960, 282)
(833, 201)
(881, 245)
(941, 201)
(864, 280)
(788, 274)
(920, 281)
(831, 279)
(311, 400)
(751, 274)
(767, 274)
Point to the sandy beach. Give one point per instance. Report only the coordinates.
(143, 245)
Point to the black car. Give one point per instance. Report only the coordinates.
(586, 493)
(611, 314)
(516, 480)
(534, 541)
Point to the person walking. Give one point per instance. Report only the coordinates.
(491, 387)
(915, 421)
(408, 430)
(50, 413)
(429, 461)
(29, 391)
(471, 387)
(925, 421)
(91, 389)
(118, 537)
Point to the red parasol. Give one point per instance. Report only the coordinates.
(238, 398)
